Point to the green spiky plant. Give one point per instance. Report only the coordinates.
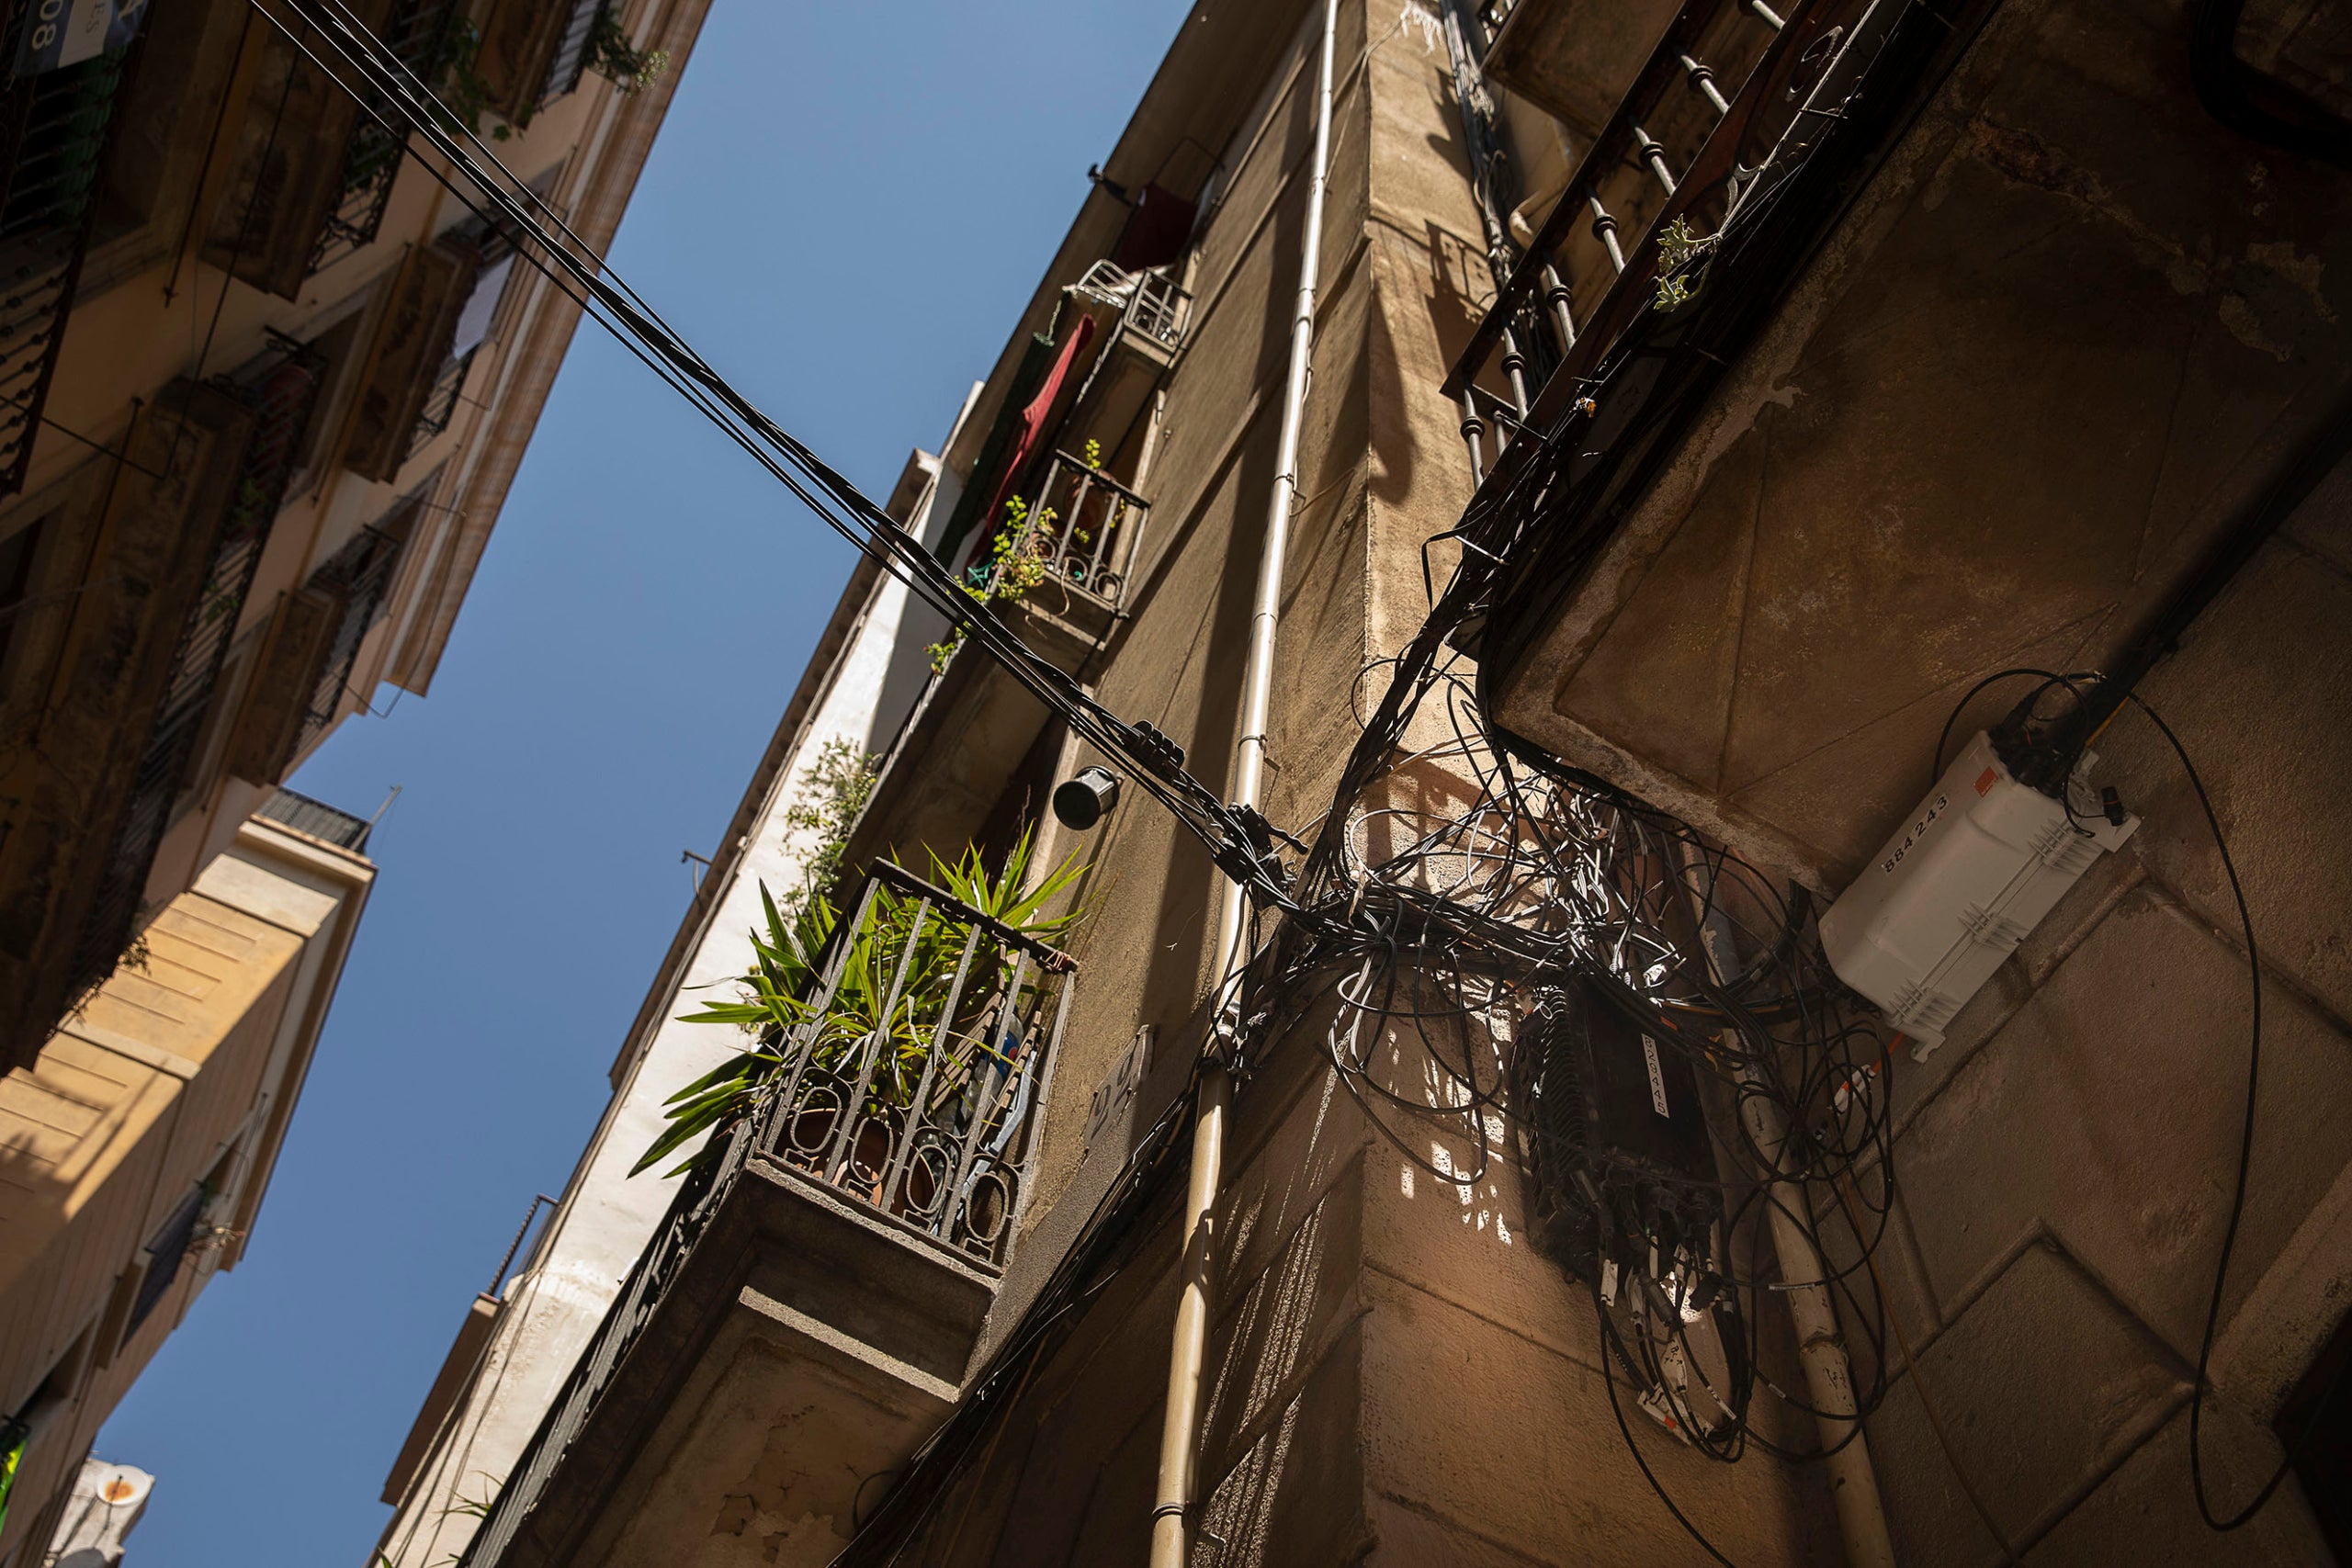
(780, 991)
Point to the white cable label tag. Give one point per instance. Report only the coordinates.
(1658, 1077)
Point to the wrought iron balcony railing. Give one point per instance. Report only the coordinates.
(318, 819)
(915, 1085)
(493, 268)
(418, 34)
(441, 403)
(360, 574)
(1730, 95)
(53, 130)
(1082, 532)
(914, 1089)
(282, 388)
(1150, 304)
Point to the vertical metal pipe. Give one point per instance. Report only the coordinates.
(1171, 1522)
(1828, 1379)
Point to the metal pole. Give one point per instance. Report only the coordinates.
(1171, 1524)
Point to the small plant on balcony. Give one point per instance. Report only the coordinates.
(1020, 557)
(838, 782)
(778, 1001)
(620, 61)
(465, 95)
(1679, 282)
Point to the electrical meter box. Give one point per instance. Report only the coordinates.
(1963, 881)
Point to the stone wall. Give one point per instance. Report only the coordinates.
(2061, 343)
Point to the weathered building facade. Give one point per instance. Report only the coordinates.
(263, 386)
(1817, 364)
(140, 1145)
(519, 1340)
(268, 384)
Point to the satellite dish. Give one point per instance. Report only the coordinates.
(119, 1486)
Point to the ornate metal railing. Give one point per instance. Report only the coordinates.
(53, 130)
(361, 575)
(282, 388)
(441, 401)
(418, 34)
(914, 1087)
(472, 326)
(317, 818)
(1149, 303)
(1083, 532)
(1733, 93)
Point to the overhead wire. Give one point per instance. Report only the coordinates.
(401, 101)
(1440, 924)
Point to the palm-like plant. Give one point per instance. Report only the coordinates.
(781, 991)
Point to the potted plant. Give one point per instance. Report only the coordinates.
(862, 1033)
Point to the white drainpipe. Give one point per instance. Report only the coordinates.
(1828, 1379)
(1172, 1525)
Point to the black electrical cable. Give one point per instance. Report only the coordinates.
(1550, 870)
(625, 314)
(1608, 1379)
(2246, 1151)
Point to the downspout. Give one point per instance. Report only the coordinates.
(1171, 1524)
(1828, 1379)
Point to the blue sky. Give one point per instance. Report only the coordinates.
(845, 210)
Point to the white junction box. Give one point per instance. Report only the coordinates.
(1965, 878)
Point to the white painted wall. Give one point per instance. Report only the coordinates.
(554, 1304)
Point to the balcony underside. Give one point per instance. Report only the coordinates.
(2002, 420)
(1111, 405)
(803, 1348)
(286, 163)
(973, 733)
(108, 646)
(1576, 58)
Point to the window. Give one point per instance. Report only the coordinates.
(165, 1252)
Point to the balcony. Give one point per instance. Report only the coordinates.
(317, 819)
(1139, 319)
(827, 1263)
(1720, 103)
(1061, 571)
(281, 390)
(357, 578)
(53, 131)
(533, 52)
(1115, 337)
(493, 265)
(417, 34)
(311, 172)
(1572, 58)
(409, 360)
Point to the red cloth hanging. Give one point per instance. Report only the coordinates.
(1033, 425)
